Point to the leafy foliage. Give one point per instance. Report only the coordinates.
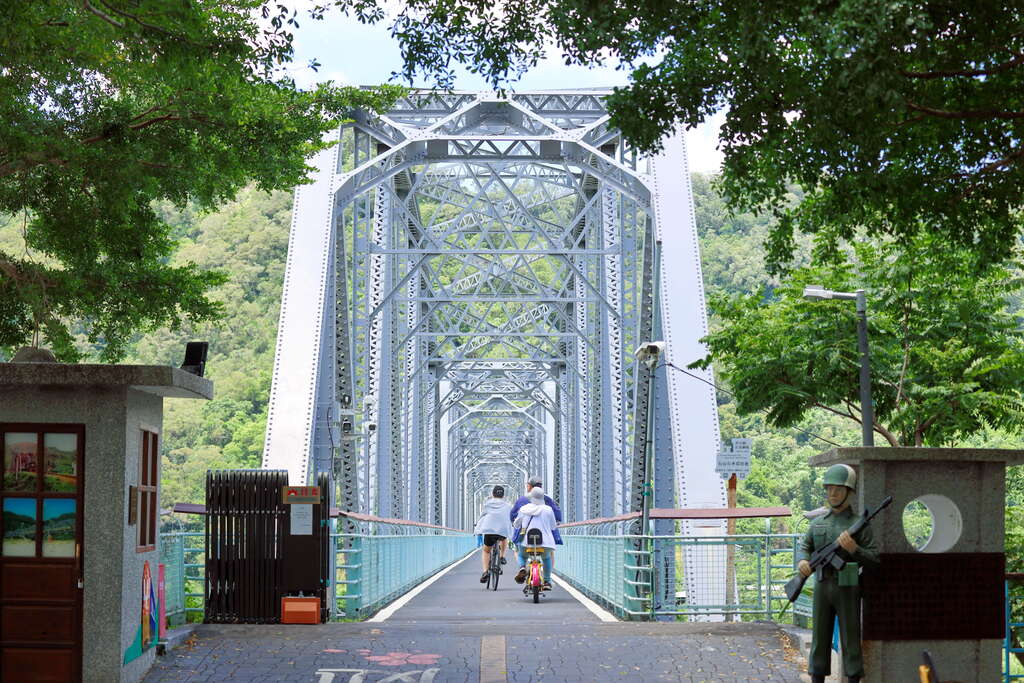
(896, 117)
(109, 105)
(247, 237)
(946, 357)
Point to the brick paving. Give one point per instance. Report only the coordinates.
(441, 634)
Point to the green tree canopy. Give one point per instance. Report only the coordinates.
(947, 359)
(896, 116)
(109, 105)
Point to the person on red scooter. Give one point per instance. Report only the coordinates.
(536, 514)
(523, 500)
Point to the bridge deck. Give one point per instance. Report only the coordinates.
(454, 630)
(458, 596)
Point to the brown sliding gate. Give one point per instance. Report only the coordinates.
(252, 556)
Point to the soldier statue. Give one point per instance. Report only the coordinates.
(837, 592)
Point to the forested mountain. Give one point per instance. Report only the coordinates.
(248, 239)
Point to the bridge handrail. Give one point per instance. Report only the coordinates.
(629, 574)
(363, 517)
(372, 569)
(690, 513)
(1010, 652)
(683, 513)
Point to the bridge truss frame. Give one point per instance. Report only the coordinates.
(468, 276)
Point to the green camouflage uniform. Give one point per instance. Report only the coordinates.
(838, 593)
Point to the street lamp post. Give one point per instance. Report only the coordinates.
(867, 411)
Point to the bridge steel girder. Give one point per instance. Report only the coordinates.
(468, 276)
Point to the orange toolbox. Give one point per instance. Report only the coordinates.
(296, 610)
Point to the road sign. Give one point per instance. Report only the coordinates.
(734, 460)
(300, 494)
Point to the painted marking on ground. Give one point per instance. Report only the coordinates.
(401, 602)
(359, 675)
(597, 610)
(492, 659)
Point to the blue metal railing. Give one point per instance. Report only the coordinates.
(374, 568)
(1010, 663)
(184, 558)
(620, 571)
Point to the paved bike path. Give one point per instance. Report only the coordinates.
(458, 596)
(456, 632)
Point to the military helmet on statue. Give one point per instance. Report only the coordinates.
(840, 475)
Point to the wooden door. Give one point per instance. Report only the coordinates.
(41, 552)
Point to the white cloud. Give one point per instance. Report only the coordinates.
(701, 143)
(306, 78)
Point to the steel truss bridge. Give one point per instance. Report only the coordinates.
(468, 277)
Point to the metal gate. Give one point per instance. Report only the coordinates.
(251, 558)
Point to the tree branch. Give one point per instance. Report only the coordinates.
(12, 167)
(149, 122)
(153, 164)
(1005, 161)
(887, 435)
(923, 427)
(850, 415)
(876, 426)
(906, 340)
(966, 114)
(88, 6)
(151, 27)
(968, 73)
(10, 269)
(988, 168)
(154, 108)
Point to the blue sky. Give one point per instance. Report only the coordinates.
(355, 54)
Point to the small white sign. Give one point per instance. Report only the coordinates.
(302, 519)
(742, 446)
(734, 460)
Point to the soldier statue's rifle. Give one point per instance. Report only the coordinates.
(829, 555)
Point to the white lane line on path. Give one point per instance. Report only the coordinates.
(492, 659)
(400, 602)
(602, 614)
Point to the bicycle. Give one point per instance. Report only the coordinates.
(494, 567)
(534, 564)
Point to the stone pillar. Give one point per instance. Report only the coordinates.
(946, 596)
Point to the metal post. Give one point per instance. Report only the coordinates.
(647, 492)
(645, 509)
(731, 597)
(867, 410)
(354, 577)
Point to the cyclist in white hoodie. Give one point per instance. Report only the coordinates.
(536, 514)
(495, 527)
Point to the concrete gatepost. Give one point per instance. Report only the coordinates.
(81, 542)
(947, 596)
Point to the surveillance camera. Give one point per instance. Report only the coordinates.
(649, 352)
(371, 426)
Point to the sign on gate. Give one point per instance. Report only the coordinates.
(734, 460)
(301, 520)
(300, 494)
